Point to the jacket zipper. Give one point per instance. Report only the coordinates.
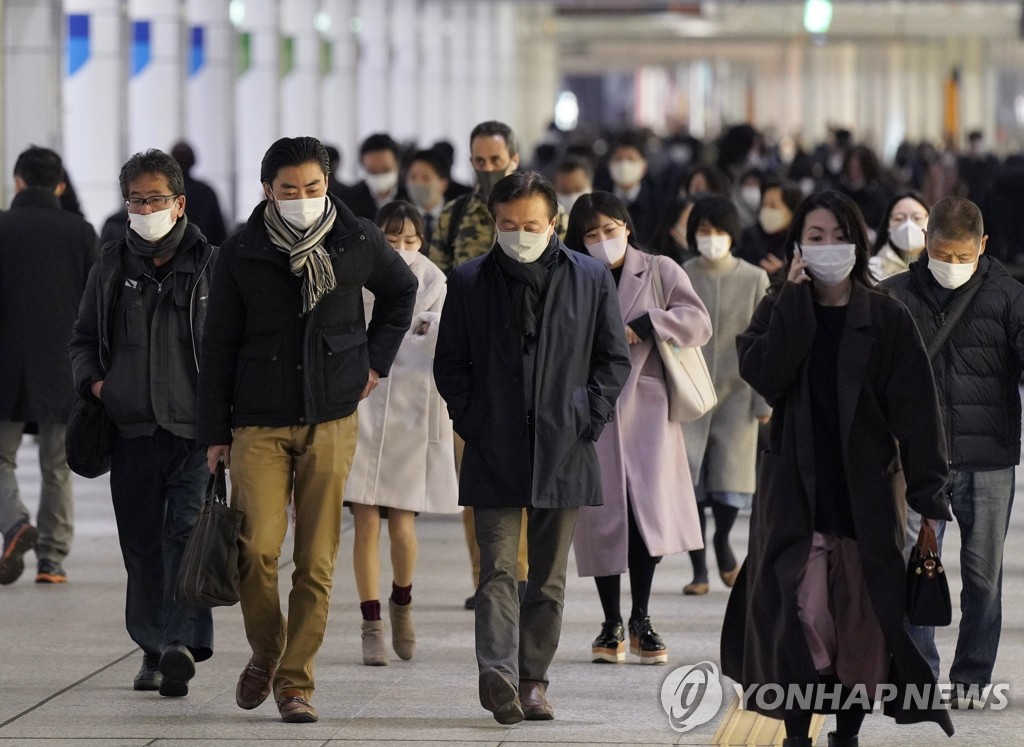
(192, 309)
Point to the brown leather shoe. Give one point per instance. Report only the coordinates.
(532, 694)
(295, 709)
(254, 682)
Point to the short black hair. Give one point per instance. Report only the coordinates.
(182, 153)
(446, 149)
(441, 166)
(333, 157)
(293, 151)
(39, 168)
(718, 181)
(569, 164)
(791, 193)
(393, 215)
(583, 218)
(520, 185)
(850, 220)
(720, 212)
(154, 163)
(493, 128)
(955, 219)
(378, 141)
(631, 139)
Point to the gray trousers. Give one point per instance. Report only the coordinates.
(519, 640)
(55, 518)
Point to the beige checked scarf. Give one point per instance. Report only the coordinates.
(307, 256)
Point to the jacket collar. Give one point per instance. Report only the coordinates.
(926, 284)
(631, 282)
(36, 197)
(255, 241)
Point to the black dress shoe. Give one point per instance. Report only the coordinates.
(177, 666)
(645, 642)
(149, 677)
(836, 741)
(609, 646)
(471, 602)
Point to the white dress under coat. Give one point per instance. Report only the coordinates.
(404, 453)
(641, 453)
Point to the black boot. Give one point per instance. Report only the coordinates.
(797, 742)
(609, 646)
(837, 741)
(645, 642)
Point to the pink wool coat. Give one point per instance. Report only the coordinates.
(641, 453)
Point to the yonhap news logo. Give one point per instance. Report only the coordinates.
(691, 695)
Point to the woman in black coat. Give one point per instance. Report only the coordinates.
(819, 602)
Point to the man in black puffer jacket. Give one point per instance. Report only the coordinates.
(977, 370)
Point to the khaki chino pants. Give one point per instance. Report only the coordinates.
(268, 467)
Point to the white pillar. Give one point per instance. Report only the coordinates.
(300, 69)
(338, 86)
(156, 75)
(405, 31)
(373, 20)
(461, 116)
(95, 101)
(432, 79)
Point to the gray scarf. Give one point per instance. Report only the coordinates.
(307, 256)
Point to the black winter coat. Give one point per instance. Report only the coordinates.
(582, 365)
(359, 200)
(45, 256)
(978, 369)
(265, 363)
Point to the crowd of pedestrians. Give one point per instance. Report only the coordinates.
(408, 344)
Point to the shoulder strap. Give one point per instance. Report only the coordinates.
(659, 291)
(942, 334)
(461, 204)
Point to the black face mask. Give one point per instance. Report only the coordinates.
(487, 180)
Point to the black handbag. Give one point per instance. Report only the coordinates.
(208, 576)
(927, 587)
(89, 441)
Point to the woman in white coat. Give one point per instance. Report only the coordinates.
(649, 507)
(404, 462)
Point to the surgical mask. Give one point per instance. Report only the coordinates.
(568, 200)
(487, 180)
(714, 247)
(773, 220)
(626, 172)
(302, 213)
(830, 264)
(907, 236)
(381, 184)
(949, 275)
(751, 197)
(610, 251)
(409, 255)
(523, 246)
(422, 195)
(152, 226)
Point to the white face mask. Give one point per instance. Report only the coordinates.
(751, 197)
(773, 220)
(568, 200)
(152, 227)
(626, 172)
(304, 213)
(830, 264)
(907, 236)
(381, 184)
(950, 275)
(524, 246)
(714, 247)
(610, 251)
(409, 255)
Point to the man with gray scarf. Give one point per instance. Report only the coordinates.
(135, 348)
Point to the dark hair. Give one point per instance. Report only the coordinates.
(955, 219)
(333, 157)
(520, 185)
(496, 129)
(721, 213)
(882, 233)
(663, 243)
(446, 149)
(441, 166)
(154, 163)
(850, 219)
(791, 193)
(718, 181)
(583, 218)
(293, 151)
(569, 164)
(182, 153)
(378, 141)
(393, 215)
(39, 168)
(630, 139)
(869, 165)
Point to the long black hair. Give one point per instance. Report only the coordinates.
(583, 218)
(849, 218)
(882, 235)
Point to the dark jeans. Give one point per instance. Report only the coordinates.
(981, 503)
(519, 640)
(157, 484)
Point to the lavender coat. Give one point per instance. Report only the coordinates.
(641, 453)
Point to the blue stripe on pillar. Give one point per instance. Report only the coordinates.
(78, 42)
(142, 52)
(197, 49)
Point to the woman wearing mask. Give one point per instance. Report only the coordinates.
(722, 445)
(763, 244)
(404, 462)
(746, 195)
(900, 236)
(820, 598)
(642, 454)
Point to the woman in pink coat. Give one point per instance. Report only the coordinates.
(649, 507)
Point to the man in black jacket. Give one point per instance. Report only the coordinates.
(286, 358)
(378, 158)
(203, 206)
(45, 256)
(135, 348)
(531, 356)
(977, 371)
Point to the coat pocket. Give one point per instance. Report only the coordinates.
(346, 365)
(258, 378)
(581, 411)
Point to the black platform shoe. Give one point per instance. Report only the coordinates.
(645, 642)
(609, 646)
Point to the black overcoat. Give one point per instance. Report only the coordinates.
(889, 416)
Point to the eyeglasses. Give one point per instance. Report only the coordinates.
(155, 202)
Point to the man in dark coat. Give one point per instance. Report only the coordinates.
(45, 256)
(286, 359)
(977, 372)
(531, 356)
(203, 206)
(135, 349)
(378, 158)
